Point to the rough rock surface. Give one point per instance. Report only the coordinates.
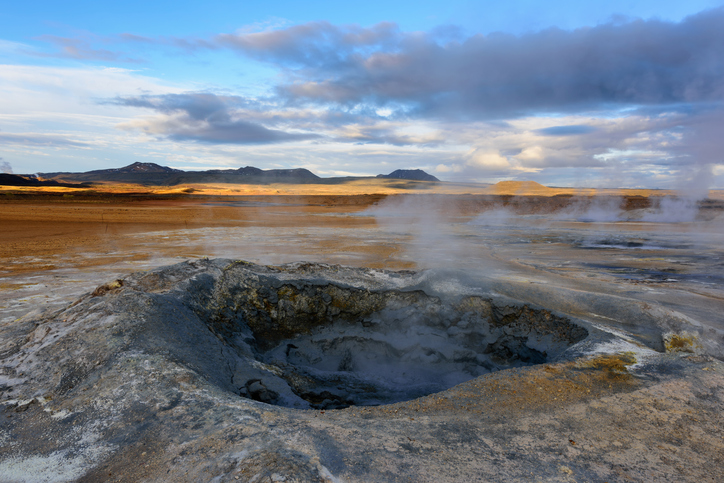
(214, 370)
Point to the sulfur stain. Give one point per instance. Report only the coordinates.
(682, 342)
(615, 366)
(108, 287)
(14, 286)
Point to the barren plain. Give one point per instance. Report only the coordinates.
(639, 398)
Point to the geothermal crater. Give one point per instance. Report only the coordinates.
(196, 371)
(325, 345)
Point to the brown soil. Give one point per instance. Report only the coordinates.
(41, 223)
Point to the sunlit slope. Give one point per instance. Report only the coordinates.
(352, 186)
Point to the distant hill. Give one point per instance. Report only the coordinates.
(411, 174)
(247, 175)
(154, 174)
(521, 188)
(143, 173)
(138, 168)
(15, 180)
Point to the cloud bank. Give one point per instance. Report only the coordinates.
(626, 103)
(203, 117)
(497, 76)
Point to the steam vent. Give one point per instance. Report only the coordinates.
(329, 344)
(221, 370)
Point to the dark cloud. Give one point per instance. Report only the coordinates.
(640, 94)
(213, 118)
(197, 105)
(319, 45)
(381, 135)
(700, 147)
(444, 74)
(205, 118)
(497, 76)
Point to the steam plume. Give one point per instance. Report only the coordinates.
(5, 167)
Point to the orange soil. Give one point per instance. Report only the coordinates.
(353, 187)
(38, 224)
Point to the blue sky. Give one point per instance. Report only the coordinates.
(613, 93)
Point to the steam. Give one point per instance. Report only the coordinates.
(436, 232)
(692, 189)
(612, 209)
(5, 167)
(674, 210)
(697, 182)
(683, 207)
(430, 228)
(597, 210)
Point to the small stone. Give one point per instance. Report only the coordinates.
(565, 470)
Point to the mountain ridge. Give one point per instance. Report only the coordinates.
(7, 179)
(155, 174)
(409, 174)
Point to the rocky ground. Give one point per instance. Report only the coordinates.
(206, 371)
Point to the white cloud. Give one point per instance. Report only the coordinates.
(533, 153)
(486, 159)
(51, 120)
(7, 47)
(41, 91)
(56, 103)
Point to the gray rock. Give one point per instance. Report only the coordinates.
(220, 370)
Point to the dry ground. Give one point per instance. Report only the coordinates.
(42, 222)
(585, 423)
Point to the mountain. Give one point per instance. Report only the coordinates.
(15, 180)
(247, 175)
(140, 168)
(411, 174)
(143, 173)
(154, 174)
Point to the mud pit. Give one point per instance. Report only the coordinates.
(330, 346)
(142, 379)
(198, 372)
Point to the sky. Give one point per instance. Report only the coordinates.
(609, 93)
